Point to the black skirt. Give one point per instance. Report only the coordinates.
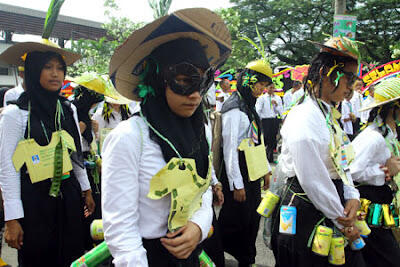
(381, 248)
(292, 250)
(239, 221)
(53, 227)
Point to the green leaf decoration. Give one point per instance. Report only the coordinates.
(260, 48)
(58, 170)
(51, 17)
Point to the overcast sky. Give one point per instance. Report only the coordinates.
(136, 10)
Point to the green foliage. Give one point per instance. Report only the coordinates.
(395, 50)
(160, 7)
(96, 54)
(378, 27)
(241, 51)
(286, 25)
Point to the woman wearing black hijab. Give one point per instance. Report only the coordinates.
(159, 160)
(45, 226)
(238, 219)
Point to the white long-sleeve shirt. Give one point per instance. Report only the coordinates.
(13, 122)
(130, 160)
(357, 100)
(305, 154)
(235, 128)
(347, 108)
(266, 109)
(370, 153)
(364, 115)
(13, 94)
(219, 104)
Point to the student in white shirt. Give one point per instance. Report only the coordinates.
(13, 94)
(224, 95)
(348, 116)
(44, 219)
(147, 221)
(111, 114)
(376, 164)
(289, 98)
(238, 219)
(307, 162)
(269, 108)
(366, 102)
(357, 100)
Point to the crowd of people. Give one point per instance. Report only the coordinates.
(154, 167)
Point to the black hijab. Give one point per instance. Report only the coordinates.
(186, 134)
(3, 91)
(44, 102)
(246, 101)
(83, 101)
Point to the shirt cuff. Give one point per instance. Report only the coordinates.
(237, 183)
(13, 209)
(350, 192)
(136, 258)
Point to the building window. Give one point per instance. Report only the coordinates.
(3, 71)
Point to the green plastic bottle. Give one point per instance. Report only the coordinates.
(94, 257)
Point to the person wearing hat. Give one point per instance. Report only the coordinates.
(238, 219)
(269, 107)
(84, 100)
(14, 93)
(111, 114)
(375, 167)
(313, 160)
(41, 168)
(156, 169)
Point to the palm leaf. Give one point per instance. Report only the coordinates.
(51, 17)
(260, 48)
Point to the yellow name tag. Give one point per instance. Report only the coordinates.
(256, 158)
(180, 179)
(39, 160)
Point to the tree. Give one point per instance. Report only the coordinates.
(378, 27)
(286, 25)
(160, 7)
(242, 53)
(96, 54)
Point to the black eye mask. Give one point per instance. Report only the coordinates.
(191, 81)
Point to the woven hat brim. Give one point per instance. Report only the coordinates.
(120, 101)
(196, 23)
(332, 50)
(377, 104)
(13, 54)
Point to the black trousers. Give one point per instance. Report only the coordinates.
(53, 227)
(292, 250)
(271, 128)
(239, 221)
(158, 255)
(213, 245)
(96, 193)
(381, 247)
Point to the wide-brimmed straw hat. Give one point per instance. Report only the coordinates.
(199, 24)
(261, 66)
(385, 92)
(340, 46)
(16, 54)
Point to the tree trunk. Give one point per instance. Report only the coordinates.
(340, 7)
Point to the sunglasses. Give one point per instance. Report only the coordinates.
(185, 79)
(351, 77)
